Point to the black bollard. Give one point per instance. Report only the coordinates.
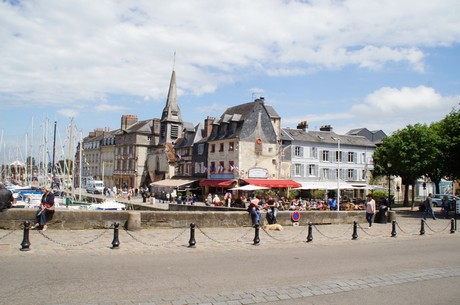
(452, 226)
(393, 228)
(355, 231)
(192, 242)
(422, 227)
(256, 236)
(25, 240)
(115, 242)
(310, 233)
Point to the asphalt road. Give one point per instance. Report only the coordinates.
(389, 271)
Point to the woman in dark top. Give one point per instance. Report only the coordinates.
(46, 208)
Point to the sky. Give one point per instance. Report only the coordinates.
(345, 63)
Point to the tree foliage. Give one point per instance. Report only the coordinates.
(449, 132)
(409, 153)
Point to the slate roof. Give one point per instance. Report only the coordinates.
(323, 137)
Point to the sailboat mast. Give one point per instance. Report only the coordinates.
(54, 150)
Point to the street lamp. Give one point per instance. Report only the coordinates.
(389, 182)
(338, 172)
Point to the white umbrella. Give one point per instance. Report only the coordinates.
(249, 187)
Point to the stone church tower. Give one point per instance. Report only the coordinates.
(171, 120)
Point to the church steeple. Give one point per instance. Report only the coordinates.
(171, 119)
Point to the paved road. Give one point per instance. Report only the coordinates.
(225, 268)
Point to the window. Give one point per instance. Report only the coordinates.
(298, 170)
(325, 173)
(231, 166)
(325, 155)
(339, 156)
(351, 157)
(221, 147)
(231, 146)
(174, 131)
(351, 174)
(314, 152)
(298, 151)
(213, 148)
(212, 168)
(200, 149)
(311, 170)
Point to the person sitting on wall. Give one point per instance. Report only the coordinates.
(45, 210)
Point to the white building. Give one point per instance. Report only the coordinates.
(326, 160)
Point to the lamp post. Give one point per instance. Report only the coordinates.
(338, 172)
(389, 182)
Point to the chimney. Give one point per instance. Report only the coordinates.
(325, 128)
(261, 100)
(302, 125)
(208, 125)
(128, 120)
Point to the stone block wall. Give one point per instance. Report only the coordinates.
(80, 220)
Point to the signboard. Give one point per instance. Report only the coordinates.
(258, 172)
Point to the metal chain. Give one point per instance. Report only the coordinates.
(223, 242)
(397, 224)
(72, 245)
(291, 239)
(154, 245)
(330, 237)
(7, 234)
(367, 233)
(435, 230)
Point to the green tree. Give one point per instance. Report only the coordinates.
(408, 153)
(449, 132)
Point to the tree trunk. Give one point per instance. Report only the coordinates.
(406, 195)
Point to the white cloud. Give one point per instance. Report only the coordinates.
(62, 52)
(388, 109)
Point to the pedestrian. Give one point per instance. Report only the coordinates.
(254, 211)
(228, 198)
(272, 211)
(446, 205)
(6, 198)
(46, 209)
(216, 200)
(370, 209)
(429, 207)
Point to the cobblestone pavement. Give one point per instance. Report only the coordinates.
(280, 293)
(156, 240)
(75, 242)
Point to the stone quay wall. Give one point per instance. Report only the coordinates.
(80, 220)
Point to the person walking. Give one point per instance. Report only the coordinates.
(254, 211)
(446, 205)
(429, 207)
(6, 198)
(370, 209)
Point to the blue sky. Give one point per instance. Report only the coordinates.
(349, 64)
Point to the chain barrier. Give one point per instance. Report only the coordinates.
(224, 242)
(435, 231)
(155, 245)
(369, 234)
(330, 237)
(7, 234)
(405, 232)
(291, 239)
(73, 245)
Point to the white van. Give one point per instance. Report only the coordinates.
(95, 186)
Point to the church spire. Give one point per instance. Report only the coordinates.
(171, 112)
(171, 119)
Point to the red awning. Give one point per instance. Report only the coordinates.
(273, 183)
(216, 183)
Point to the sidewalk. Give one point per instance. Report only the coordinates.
(162, 240)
